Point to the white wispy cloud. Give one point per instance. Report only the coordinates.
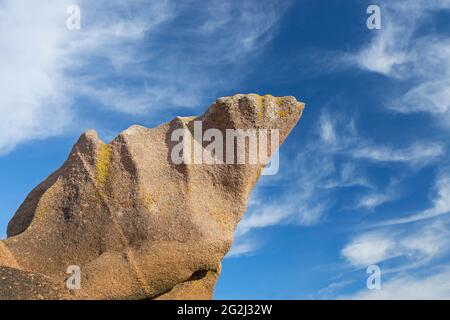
(408, 248)
(396, 45)
(327, 129)
(415, 59)
(440, 202)
(303, 207)
(137, 57)
(33, 99)
(349, 174)
(417, 154)
(398, 52)
(330, 290)
(410, 287)
(369, 248)
(243, 247)
(338, 134)
(420, 245)
(373, 200)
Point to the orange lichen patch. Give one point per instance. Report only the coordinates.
(302, 105)
(103, 163)
(268, 100)
(282, 113)
(149, 202)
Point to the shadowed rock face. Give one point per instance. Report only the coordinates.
(137, 225)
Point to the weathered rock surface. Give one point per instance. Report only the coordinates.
(139, 226)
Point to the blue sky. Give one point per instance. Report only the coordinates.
(364, 178)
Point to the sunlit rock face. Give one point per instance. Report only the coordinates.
(134, 221)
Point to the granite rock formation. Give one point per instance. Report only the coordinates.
(138, 225)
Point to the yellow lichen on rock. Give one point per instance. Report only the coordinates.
(268, 100)
(102, 164)
(282, 113)
(260, 104)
